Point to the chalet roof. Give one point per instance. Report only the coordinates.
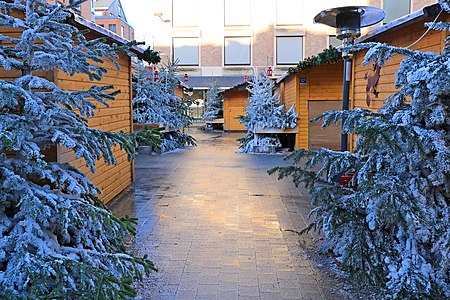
(79, 20)
(420, 15)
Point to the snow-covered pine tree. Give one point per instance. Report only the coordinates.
(58, 241)
(264, 111)
(213, 104)
(155, 102)
(393, 228)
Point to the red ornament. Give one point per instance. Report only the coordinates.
(186, 77)
(346, 181)
(155, 75)
(245, 78)
(269, 71)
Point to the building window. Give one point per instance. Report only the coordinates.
(237, 12)
(185, 50)
(289, 12)
(237, 50)
(289, 50)
(334, 41)
(122, 30)
(112, 27)
(396, 9)
(185, 13)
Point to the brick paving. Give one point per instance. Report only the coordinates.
(219, 227)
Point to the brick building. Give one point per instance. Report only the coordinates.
(110, 14)
(230, 37)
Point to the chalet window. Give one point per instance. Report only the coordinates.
(396, 9)
(112, 27)
(185, 50)
(122, 31)
(289, 12)
(237, 50)
(289, 50)
(237, 12)
(334, 41)
(185, 13)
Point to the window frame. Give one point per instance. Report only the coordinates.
(302, 54)
(242, 24)
(115, 27)
(198, 50)
(249, 51)
(289, 24)
(174, 19)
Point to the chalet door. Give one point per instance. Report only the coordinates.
(318, 137)
(233, 115)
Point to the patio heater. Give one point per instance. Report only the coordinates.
(348, 21)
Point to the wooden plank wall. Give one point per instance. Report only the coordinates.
(234, 105)
(433, 41)
(112, 180)
(322, 83)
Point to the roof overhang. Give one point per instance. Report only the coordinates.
(79, 20)
(416, 16)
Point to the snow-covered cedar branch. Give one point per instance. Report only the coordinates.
(58, 240)
(264, 110)
(392, 229)
(156, 103)
(213, 104)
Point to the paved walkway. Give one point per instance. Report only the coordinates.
(218, 227)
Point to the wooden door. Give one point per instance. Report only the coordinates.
(318, 137)
(234, 113)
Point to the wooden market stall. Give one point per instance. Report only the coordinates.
(113, 179)
(234, 103)
(371, 84)
(314, 91)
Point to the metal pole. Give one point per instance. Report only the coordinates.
(346, 98)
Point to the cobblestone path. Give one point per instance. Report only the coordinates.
(219, 227)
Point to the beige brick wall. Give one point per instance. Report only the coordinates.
(315, 42)
(211, 55)
(263, 47)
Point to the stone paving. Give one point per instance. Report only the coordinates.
(219, 227)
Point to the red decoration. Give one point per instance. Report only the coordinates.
(245, 78)
(269, 71)
(155, 75)
(346, 180)
(186, 77)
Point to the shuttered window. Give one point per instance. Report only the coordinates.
(185, 50)
(185, 13)
(289, 12)
(289, 50)
(237, 12)
(237, 50)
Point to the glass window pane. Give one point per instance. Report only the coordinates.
(289, 50)
(112, 27)
(237, 12)
(237, 51)
(334, 41)
(395, 9)
(289, 12)
(185, 50)
(185, 13)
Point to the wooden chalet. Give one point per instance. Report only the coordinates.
(371, 84)
(314, 91)
(113, 179)
(234, 103)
